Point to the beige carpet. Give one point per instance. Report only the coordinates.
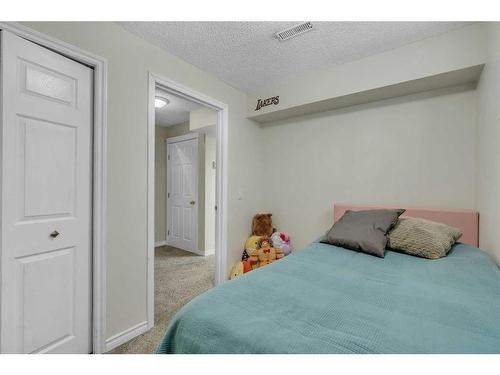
(179, 277)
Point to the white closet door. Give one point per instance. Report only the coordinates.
(46, 201)
(182, 207)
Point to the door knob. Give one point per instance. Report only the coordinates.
(192, 203)
(54, 234)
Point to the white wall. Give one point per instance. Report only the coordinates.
(418, 150)
(201, 118)
(488, 180)
(129, 60)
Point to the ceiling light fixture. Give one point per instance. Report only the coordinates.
(161, 102)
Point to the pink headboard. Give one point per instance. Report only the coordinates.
(465, 220)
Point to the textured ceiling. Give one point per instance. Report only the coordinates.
(248, 56)
(176, 112)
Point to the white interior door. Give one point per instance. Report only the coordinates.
(46, 201)
(182, 194)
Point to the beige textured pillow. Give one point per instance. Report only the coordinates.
(423, 238)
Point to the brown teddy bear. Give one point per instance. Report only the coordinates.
(262, 224)
(265, 254)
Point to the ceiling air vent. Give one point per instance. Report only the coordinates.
(294, 31)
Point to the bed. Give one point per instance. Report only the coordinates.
(326, 299)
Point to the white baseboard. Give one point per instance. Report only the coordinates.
(202, 252)
(196, 252)
(209, 252)
(127, 335)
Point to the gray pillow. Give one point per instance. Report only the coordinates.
(423, 238)
(364, 231)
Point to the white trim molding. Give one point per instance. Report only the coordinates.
(127, 335)
(184, 137)
(221, 179)
(100, 67)
(160, 243)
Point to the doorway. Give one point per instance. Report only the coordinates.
(185, 212)
(214, 134)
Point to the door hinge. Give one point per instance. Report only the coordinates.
(216, 208)
(168, 232)
(168, 195)
(168, 156)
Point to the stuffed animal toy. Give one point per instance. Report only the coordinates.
(236, 271)
(245, 255)
(246, 266)
(265, 254)
(282, 240)
(262, 224)
(239, 269)
(252, 243)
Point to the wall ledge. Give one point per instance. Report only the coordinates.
(467, 75)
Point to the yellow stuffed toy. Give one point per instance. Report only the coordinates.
(239, 269)
(236, 271)
(252, 243)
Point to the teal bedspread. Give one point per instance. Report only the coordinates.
(326, 299)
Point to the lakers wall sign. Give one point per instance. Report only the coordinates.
(265, 102)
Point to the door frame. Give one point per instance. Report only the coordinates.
(221, 191)
(168, 142)
(99, 174)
